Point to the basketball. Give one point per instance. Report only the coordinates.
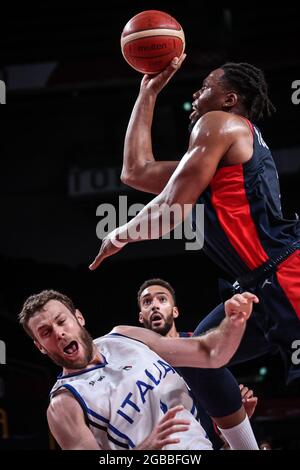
(150, 40)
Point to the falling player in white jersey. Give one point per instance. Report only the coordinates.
(120, 391)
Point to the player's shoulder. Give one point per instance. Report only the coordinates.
(216, 115)
(61, 403)
(131, 332)
(143, 335)
(124, 329)
(221, 121)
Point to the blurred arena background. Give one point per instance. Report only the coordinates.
(69, 98)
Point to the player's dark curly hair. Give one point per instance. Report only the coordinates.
(155, 282)
(250, 83)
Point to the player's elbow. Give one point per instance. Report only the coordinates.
(210, 357)
(126, 177)
(216, 360)
(130, 177)
(135, 178)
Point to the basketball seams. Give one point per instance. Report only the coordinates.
(150, 57)
(150, 19)
(152, 33)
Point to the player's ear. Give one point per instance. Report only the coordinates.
(231, 100)
(141, 319)
(40, 347)
(175, 312)
(80, 317)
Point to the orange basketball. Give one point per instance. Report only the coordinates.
(150, 40)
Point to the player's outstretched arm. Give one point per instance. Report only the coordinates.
(209, 142)
(211, 350)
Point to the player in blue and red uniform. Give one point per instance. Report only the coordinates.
(229, 168)
(158, 311)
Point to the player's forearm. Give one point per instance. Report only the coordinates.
(69, 441)
(222, 342)
(140, 170)
(138, 143)
(90, 444)
(155, 220)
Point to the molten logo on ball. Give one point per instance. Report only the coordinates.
(150, 40)
(152, 46)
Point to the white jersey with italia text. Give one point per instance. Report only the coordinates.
(124, 397)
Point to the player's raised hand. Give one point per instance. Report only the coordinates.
(156, 83)
(239, 308)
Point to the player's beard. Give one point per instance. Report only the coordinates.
(86, 341)
(163, 329)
